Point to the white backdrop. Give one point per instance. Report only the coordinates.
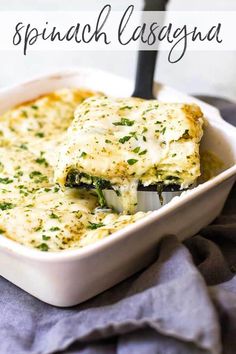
(207, 72)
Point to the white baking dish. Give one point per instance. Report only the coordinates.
(69, 277)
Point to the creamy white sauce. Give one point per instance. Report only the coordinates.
(34, 211)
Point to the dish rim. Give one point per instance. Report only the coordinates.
(12, 246)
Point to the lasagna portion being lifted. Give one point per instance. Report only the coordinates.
(121, 143)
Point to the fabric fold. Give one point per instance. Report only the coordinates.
(168, 302)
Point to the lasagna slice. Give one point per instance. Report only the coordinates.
(121, 143)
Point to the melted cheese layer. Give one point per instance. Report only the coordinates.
(34, 211)
(131, 141)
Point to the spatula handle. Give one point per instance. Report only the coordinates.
(145, 74)
(147, 59)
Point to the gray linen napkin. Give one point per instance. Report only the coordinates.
(184, 303)
(165, 306)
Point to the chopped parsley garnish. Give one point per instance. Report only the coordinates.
(54, 228)
(40, 225)
(6, 180)
(132, 161)
(2, 231)
(124, 139)
(42, 161)
(158, 122)
(38, 177)
(45, 238)
(124, 121)
(136, 150)
(143, 152)
(34, 174)
(108, 141)
(94, 226)
(150, 109)
(174, 155)
(125, 107)
(38, 228)
(83, 154)
(34, 107)
(43, 247)
(23, 147)
(39, 134)
(54, 216)
(7, 206)
(18, 174)
(134, 135)
(163, 130)
(24, 113)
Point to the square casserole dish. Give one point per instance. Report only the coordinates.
(68, 277)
